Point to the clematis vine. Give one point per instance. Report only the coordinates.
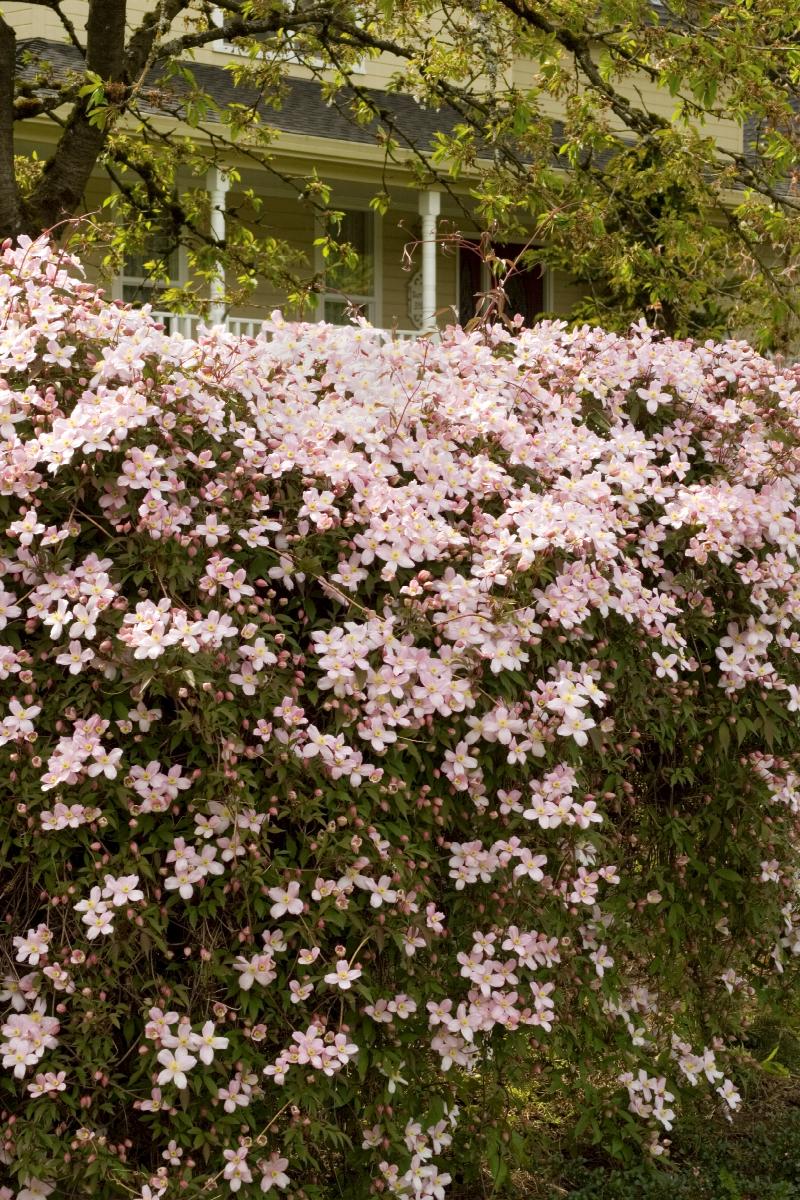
(384, 725)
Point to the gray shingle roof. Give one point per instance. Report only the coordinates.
(303, 108)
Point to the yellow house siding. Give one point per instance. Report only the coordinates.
(286, 219)
(135, 11)
(30, 21)
(563, 293)
(446, 287)
(399, 229)
(96, 192)
(640, 90)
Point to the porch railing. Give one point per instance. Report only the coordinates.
(188, 324)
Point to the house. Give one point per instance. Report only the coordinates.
(410, 293)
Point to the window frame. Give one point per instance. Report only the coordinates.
(371, 306)
(126, 279)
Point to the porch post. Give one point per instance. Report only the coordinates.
(429, 203)
(217, 186)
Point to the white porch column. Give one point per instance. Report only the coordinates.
(429, 204)
(217, 186)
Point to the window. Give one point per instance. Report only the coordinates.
(137, 285)
(356, 286)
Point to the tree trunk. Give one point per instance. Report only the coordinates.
(9, 193)
(63, 182)
(58, 194)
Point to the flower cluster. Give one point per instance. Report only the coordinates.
(385, 726)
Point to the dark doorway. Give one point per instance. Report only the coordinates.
(524, 291)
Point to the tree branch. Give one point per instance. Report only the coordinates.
(63, 181)
(641, 122)
(159, 200)
(143, 43)
(28, 104)
(580, 49)
(69, 28)
(105, 38)
(239, 27)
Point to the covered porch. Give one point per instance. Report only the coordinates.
(419, 264)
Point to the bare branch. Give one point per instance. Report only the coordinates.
(69, 28)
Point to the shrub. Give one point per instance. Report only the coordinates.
(386, 727)
(756, 1157)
